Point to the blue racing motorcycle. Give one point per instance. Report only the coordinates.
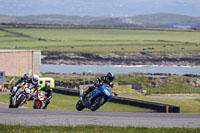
(95, 99)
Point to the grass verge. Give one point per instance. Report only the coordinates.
(65, 102)
(91, 129)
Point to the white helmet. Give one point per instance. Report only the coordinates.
(35, 79)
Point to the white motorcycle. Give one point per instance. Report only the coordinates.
(22, 95)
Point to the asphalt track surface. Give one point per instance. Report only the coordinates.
(31, 117)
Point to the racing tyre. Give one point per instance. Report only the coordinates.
(97, 103)
(21, 99)
(36, 105)
(79, 106)
(10, 106)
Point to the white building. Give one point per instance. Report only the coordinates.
(19, 62)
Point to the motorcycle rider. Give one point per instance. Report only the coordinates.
(48, 92)
(100, 81)
(32, 84)
(20, 83)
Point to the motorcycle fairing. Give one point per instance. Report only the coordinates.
(102, 89)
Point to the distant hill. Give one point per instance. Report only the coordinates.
(169, 20)
(149, 20)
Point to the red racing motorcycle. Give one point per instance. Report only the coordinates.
(39, 100)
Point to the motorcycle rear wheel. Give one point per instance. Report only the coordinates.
(97, 103)
(79, 106)
(10, 106)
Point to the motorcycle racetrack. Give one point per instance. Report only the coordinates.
(34, 117)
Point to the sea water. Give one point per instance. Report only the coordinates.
(120, 69)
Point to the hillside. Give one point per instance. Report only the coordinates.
(150, 20)
(168, 20)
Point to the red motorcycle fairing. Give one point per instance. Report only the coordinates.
(39, 102)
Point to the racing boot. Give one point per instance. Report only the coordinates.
(81, 95)
(12, 91)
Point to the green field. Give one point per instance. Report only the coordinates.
(100, 39)
(171, 84)
(174, 85)
(65, 102)
(165, 84)
(91, 129)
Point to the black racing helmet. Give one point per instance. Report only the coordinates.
(47, 85)
(110, 77)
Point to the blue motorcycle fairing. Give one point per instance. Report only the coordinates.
(102, 89)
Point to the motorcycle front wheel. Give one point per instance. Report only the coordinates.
(37, 105)
(79, 106)
(21, 99)
(97, 103)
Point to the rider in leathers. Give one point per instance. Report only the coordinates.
(102, 80)
(33, 84)
(48, 92)
(20, 83)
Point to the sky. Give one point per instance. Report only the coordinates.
(115, 8)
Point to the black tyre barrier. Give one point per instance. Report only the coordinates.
(158, 107)
(72, 84)
(66, 91)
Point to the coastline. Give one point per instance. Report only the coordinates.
(126, 59)
(120, 69)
